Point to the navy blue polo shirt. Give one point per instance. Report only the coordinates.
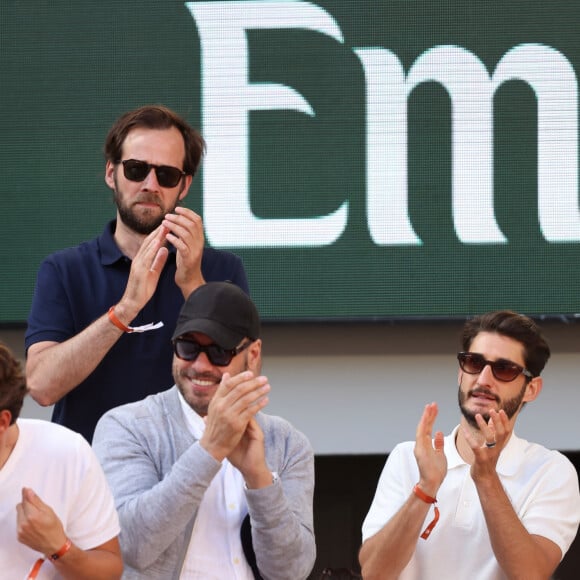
(76, 286)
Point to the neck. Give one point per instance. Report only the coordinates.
(7, 443)
(461, 443)
(127, 240)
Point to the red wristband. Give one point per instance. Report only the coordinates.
(427, 499)
(62, 551)
(116, 321)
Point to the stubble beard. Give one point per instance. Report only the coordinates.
(510, 406)
(180, 377)
(146, 223)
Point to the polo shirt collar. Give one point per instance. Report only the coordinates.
(110, 252)
(509, 458)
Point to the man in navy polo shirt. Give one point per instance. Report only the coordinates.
(99, 329)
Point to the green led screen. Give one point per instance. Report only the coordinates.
(409, 158)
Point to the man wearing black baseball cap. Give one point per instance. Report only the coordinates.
(207, 485)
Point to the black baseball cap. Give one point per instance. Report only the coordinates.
(222, 311)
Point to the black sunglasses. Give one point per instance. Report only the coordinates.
(503, 370)
(188, 349)
(167, 176)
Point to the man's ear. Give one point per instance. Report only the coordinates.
(187, 181)
(533, 389)
(255, 356)
(110, 174)
(5, 420)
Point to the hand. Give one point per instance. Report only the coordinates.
(38, 527)
(498, 430)
(430, 456)
(235, 403)
(185, 232)
(249, 457)
(146, 269)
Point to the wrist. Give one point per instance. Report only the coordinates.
(58, 554)
(125, 312)
(428, 499)
(264, 479)
(428, 488)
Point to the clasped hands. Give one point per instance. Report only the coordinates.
(231, 429)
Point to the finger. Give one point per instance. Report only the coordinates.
(30, 498)
(425, 426)
(159, 260)
(439, 441)
(241, 381)
(253, 427)
(152, 243)
(189, 213)
(248, 394)
(183, 221)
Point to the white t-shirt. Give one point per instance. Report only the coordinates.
(215, 551)
(61, 468)
(541, 484)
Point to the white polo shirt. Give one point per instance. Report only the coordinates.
(541, 484)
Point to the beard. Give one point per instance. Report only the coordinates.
(510, 406)
(146, 222)
(182, 376)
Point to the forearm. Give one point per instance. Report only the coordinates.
(103, 563)
(386, 554)
(54, 369)
(153, 512)
(283, 538)
(519, 554)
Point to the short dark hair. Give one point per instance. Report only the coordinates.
(513, 325)
(155, 117)
(12, 383)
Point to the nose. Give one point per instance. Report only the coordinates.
(202, 363)
(486, 375)
(150, 181)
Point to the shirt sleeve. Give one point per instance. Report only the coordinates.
(552, 509)
(394, 486)
(92, 519)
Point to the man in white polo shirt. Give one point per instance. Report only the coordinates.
(481, 502)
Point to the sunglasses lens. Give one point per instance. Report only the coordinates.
(135, 170)
(186, 349)
(218, 356)
(471, 364)
(168, 176)
(505, 371)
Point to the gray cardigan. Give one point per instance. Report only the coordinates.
(158, 473)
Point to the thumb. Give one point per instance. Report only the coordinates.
(225, 378)
(29, 497)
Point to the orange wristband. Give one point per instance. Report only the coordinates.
(116, 321)
(427, 499)
(62, 551)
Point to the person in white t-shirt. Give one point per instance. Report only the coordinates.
(57, 515)
(504, 507)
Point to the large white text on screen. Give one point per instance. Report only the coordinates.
(228, 98)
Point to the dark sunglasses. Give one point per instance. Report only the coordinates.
(502, 369)
(188, 349)
(167, 176)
